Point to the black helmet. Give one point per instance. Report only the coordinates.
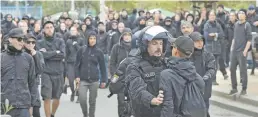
(151, 33)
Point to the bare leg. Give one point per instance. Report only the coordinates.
(47, 107)
(55, 105)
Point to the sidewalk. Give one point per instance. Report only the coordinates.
(246, 104)
(252, 86)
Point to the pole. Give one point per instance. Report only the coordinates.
(26, 7)
(72, 5)
(256, 3)
(102, 11)
(17, 8)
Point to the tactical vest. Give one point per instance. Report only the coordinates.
(150, 75)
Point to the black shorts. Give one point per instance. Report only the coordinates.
(51, 86)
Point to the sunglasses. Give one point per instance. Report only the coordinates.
(20, 39)
(32, 42)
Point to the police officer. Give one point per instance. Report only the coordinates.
(142, 76)
(204, 63)
(18, 82)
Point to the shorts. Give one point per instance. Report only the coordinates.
(51, 86)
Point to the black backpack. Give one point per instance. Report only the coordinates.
(192, 104)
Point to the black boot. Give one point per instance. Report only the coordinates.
(72, 98)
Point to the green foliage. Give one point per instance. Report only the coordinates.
(51, 7)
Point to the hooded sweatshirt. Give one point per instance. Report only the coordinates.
(173, 82)
(7, 25)
(119, 52)
(139, 26)
(170, 28)
(102, 41)
(73, 44)
(88, 59)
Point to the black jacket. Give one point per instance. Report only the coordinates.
(172, 82)
(211, 45)
(86, 66)
(229, 33)
(102, 42)
(142, 80)
(114, 39)
(72, 49)
(53, 60)
(39, 67)
(251, 19)
(126, 21)
(119, 52)
(7, 25)
(204, 63)
(18, 79)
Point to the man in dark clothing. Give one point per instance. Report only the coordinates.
(141, 13)
(18, 78)
(222, 16)
(133, 17)
(53, 50)
(229, 34)
(186, 28)
(111, 34)
(7, 24)
(125, 19)
(102, 41)
(115, 37)
(252, 18)
(36, 32)
(73, 44)
(142, 76)
(204, 63)
(168, 26)
(141, 24)
(214, 35)
(239, 49)
(120, 52)
(39, 66)
(109, 21)
(90, 27)
(86, 71)
(180, 72)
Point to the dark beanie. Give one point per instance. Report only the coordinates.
(244, 10)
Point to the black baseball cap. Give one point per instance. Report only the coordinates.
(195, 36)
(185, 45)
(16, 33)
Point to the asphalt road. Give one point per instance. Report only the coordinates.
(107, 107)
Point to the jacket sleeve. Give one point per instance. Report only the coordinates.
(137, 88)
(206, 31)
(209, 66)
(113, 60)
(67, 50)
(39, 62)
(32, 83)
(78, 62)
(110, 44)
(102, 66)
(61, 55)
(168, 104)
(221, 34)
(248, 32)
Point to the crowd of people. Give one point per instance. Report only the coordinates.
(158, 66)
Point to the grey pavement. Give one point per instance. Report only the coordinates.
(107, 107)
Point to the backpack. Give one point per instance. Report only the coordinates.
(192, 104)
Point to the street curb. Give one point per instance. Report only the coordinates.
(234, 108)
(243, 99)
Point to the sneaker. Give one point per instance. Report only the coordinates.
(72, 98)
(225, 77)
(233, 91)
(215, 83)
(243, 92)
